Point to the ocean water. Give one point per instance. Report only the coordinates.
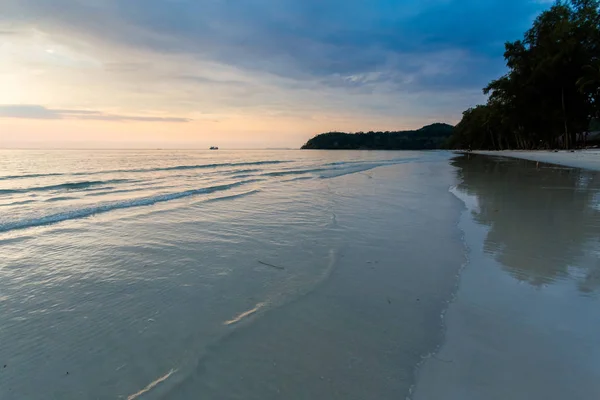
(227, 274)
(266, 275)
(39, 188)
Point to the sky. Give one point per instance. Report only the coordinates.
(243, 73)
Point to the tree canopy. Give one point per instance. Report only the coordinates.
(551, 93)
(427, 138)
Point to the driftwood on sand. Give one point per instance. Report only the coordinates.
(270, 265)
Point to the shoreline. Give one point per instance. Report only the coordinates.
(586, 159)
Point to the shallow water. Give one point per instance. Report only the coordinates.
(174, 274)
(296, 274)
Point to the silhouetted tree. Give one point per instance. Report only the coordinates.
(552, 89)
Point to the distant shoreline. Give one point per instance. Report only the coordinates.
(430, 137)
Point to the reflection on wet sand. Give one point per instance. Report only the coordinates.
(525, 321)
(544, 220)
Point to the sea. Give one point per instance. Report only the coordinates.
(266, 274)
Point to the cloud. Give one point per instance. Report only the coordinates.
(304, 39)
(27, 112)
(271, 66)
(127, 66)
(30, 111)
(210, 81)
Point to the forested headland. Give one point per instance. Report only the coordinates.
(550, 96)
(429, 137)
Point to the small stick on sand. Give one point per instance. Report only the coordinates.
(269, 265)
(439, 359)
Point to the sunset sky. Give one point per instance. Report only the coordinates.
(244, 73)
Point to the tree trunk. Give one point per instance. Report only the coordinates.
(566, 134)
(491, 136)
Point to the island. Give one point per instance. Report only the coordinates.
(430, 137)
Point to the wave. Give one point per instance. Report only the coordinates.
(60, 198)
(203, 166)
(295, 172)
(354, 168)
(333, 171)
(9, 177)
(244, 171)
(62, 186)
(338, 163)
(300, 178)
(98, 209)
(18, 203)
(138, 170)
(233, 196)
(339, 168)
(390, 161)
(107, 190)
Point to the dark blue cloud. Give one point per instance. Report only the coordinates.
(309, 39)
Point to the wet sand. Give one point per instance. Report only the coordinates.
(588, 159)
(525, 321)
(362, 332)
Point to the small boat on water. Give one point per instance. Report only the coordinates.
(214, 148)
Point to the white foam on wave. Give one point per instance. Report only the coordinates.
(151, 385)
(244, 314)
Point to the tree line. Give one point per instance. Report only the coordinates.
(550, 96)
